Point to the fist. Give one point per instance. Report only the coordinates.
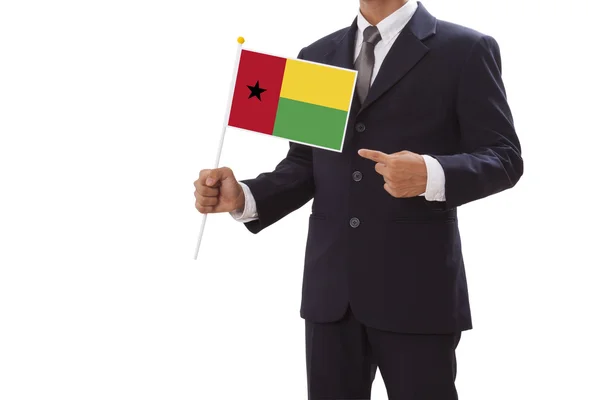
(218, 191)
(404, 173)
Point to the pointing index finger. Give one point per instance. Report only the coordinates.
(373, 155)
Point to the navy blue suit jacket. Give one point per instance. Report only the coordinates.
(399, 266)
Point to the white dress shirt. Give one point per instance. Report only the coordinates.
(389, 28)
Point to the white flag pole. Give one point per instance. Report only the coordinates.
(240, 41)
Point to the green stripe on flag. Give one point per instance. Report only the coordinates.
(310, 124)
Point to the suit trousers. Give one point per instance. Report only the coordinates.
(342, 358)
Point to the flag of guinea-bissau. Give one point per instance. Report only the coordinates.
(301, 101)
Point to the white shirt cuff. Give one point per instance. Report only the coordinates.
(436, 180)
(249, 213)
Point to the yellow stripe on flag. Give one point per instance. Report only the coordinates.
(318, 84)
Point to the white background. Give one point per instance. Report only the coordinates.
(109, 109)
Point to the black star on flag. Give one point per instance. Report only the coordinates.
(255, 91)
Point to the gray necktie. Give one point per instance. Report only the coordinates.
(365, 61)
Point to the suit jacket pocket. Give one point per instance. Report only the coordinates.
(426, 219)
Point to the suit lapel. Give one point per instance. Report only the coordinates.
(405, 53)
(342, 54)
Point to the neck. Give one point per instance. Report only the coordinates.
(375, 11)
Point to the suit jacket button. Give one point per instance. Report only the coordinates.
(354, 222)
(357, 176)
(360, 127)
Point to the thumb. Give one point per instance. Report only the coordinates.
(217, 175)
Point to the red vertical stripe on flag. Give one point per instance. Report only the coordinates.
(264, 73)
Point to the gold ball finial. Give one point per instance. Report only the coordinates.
(241, 40)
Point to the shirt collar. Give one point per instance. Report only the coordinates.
(392, 24)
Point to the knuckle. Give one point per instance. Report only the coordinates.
(204, 209)
(391, 190)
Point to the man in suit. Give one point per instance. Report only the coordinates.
(384, 282)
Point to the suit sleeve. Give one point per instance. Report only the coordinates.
(285, 189)
(490, 159)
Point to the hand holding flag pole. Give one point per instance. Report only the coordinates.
(240, 41)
